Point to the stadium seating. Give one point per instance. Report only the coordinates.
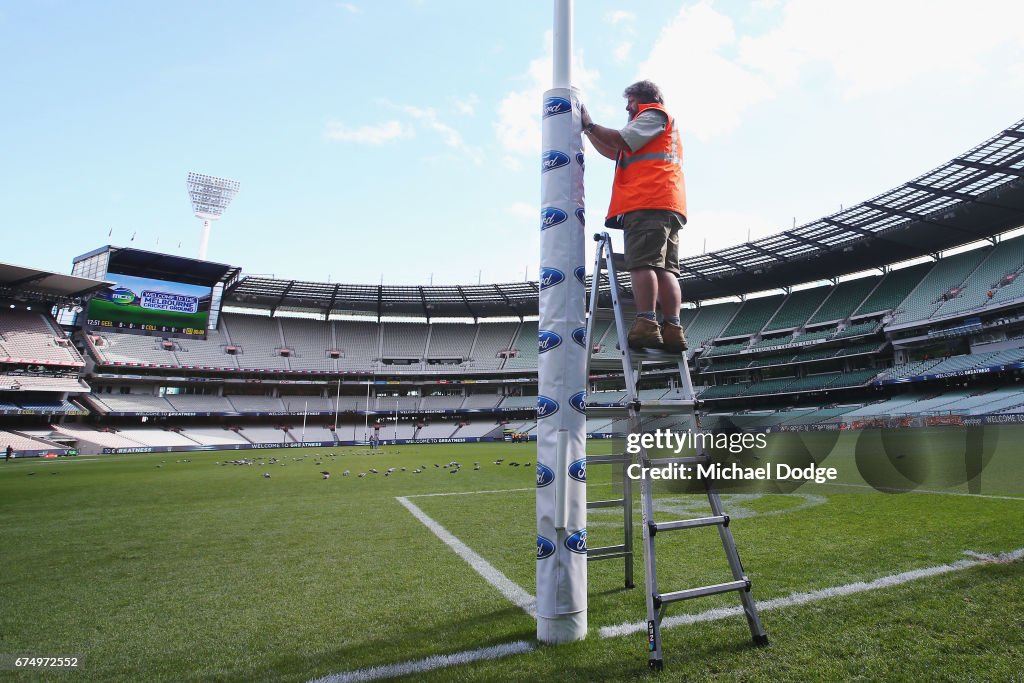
(359, 344)
(204, 353)
(709, 323)
(519, 402)
(442, 402)
(199, 403)
(451, 341)
(23, 443)
(132, 403)
(491, 340)
(894, 288)
(998, 272)
(797, 308)
(31, 337)
(481, 401)
(259, 341)
(525, 348)
(156, 437)
(844, 299)
(95, 438)
(133, 349)
(752, 316)
(403, 340)
(254, 404)
(213, 436)
(436, 430)
(309, 342)
(947, 274)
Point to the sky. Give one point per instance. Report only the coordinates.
(398, 141)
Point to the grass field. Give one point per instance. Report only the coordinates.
(172, 567)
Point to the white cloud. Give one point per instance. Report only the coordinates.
(619, 16)
(370, 135)
(622, 51)
(518, 126)
(349, 7)
(712, 76)
(720, 229)
(524, 211)
(467, 105)
(875, 46)
(449, 136)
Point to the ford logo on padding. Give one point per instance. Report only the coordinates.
(581, 274)
(548, 340)
(556, 105)
(579, 335)
(578, 470)
(546, 407)
(550, 217)
(549, 277)
(545, 548)
(578, 402)
(553, 159)
(545, 475)
(576, 543)
(581, 216)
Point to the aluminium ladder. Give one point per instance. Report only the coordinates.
(631, 364)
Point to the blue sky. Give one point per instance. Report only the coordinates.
(401, 138)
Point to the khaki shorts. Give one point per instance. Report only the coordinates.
(652, 240)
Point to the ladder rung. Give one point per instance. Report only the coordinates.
(681, 460)
(607, 552)
(689, 523)
(660, 407)
(608, 459)
(614, 503)
(676, 596)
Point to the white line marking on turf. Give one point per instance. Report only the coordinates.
(428, 664)
(517, 595)
(934, 493)
(473, 493)
(815, 596)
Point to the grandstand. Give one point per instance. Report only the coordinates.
(790, 331)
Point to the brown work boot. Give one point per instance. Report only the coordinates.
(644, 334)
(673, 338)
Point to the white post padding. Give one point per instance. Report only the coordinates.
(561, 421)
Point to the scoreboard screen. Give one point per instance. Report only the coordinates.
(151, 306)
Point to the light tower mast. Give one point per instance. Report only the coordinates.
(210, 197)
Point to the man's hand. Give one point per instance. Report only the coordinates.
(585, 116)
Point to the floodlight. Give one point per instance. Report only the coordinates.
(210, 197)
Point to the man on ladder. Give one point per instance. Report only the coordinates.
(649, 204)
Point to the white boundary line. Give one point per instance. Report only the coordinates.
(516, 594)
(428, 664)
(934, 493)
(815, 596)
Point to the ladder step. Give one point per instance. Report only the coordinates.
(608, 459)
(676, 596)
(659, 407)
(608, 552)
(615, 503)
(689, 523)
(681, 460)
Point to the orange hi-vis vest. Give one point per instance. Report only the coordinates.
(651, 177)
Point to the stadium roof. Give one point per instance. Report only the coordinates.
(473, 301)
(42, 285)
(974, 196)
(971, 197)
(131, 261)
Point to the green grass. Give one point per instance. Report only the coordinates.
(161, 570)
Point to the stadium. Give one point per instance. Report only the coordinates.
(214, 474)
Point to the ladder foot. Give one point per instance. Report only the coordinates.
(655, 664)
(761, 641)
(630, 584)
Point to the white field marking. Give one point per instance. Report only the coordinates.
(934, 493)
(473, 493)
(815, 596)
(428, 664)
(516, 594)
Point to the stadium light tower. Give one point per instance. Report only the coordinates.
(210, 197)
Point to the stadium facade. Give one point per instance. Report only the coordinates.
(905, 309)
